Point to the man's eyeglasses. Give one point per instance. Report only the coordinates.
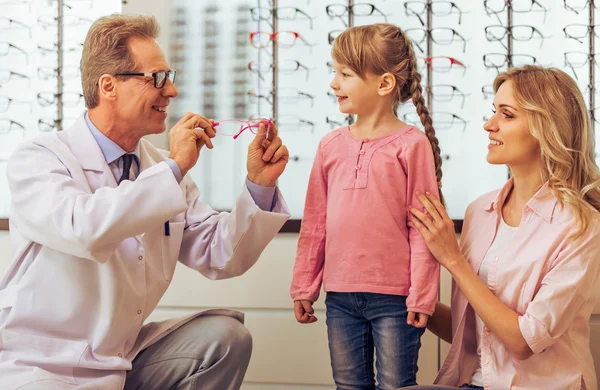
(339, 10)
(160, 78)
(438, 8)
(233, 127)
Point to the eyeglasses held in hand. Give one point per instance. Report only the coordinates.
(160, 78)
(281, 13)
(233, 127)
(440, 35)
(438, 8)
(340, 10)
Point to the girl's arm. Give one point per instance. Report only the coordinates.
(440, 323)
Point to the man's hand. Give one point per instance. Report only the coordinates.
(267, 157)
(187, 137)
(304, 312)
(418, 320)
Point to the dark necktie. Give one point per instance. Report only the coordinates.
(127, 160)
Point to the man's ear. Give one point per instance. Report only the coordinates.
(107, 87)
(387, 83)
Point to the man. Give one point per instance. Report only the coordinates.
(100, 218)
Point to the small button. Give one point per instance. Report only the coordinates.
(140, 257)
(120, 355)
(496, 259)
(366, 140)
(139, 312)
(485, 361)
(358, 167)
(362, 151)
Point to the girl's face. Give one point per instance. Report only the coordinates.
(354, 95)
(511, 142)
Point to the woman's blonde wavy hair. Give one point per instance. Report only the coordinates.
(385, 48)
(559, 121)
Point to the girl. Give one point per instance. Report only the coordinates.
(526, 275)
(380, 278)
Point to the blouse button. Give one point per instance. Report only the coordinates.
(362, 151)
(358, 167)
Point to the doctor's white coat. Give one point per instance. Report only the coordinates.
(91, 259)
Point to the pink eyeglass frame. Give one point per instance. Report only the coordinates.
(246, 125)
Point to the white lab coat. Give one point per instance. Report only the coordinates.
(91, 259)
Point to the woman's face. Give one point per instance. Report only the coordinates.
(511, 142)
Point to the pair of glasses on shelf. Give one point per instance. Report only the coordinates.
(283, 39)
(283, 66)
(521, 33)
(500, 60)
(280, 13)
(437, 8)
(6, 102)
(497, 7)
(7, 75)
(578, 59)
(441, 120)
(340, 11)
(439, 35)
(8, 125)
(578, 5)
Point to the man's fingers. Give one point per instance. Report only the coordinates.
(196, 121)
(202, 139)
(270, 152)
(281, 154)
(259, 137)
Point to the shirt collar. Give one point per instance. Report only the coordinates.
(111, 151)
(543, 203)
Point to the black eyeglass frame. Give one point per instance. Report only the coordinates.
(168, 74)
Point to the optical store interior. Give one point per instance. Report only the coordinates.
(243, 59)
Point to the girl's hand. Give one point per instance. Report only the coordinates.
(304, 312)
(418, 320)
(437, 229)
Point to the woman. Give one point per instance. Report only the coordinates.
(525, 277)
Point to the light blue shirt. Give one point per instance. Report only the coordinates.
(264, 197)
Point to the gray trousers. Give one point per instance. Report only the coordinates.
(209, 352)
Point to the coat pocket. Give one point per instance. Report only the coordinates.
(171, 244)
(54, 355)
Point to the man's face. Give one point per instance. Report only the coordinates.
(139, 104)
